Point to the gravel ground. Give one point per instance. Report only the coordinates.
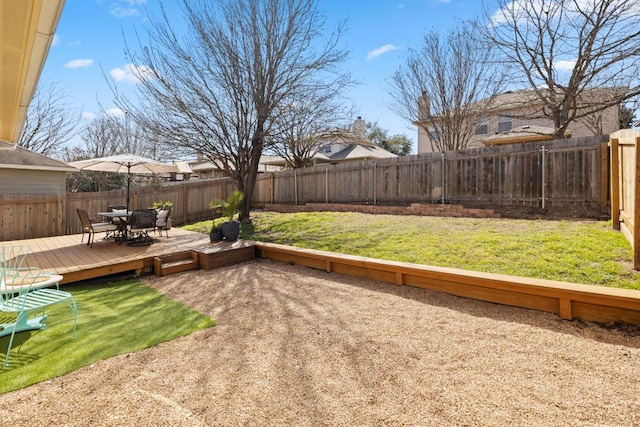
(301, 347)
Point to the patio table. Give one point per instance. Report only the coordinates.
(123, 231)
(23, 323)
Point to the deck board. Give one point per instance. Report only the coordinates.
(75, 261)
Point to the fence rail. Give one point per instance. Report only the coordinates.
(567, 172)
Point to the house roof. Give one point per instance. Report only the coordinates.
(182, 167)
(274, 160)
(21, 158)
(25, 38)
(361, 152)
(519, 98)
(522, 134)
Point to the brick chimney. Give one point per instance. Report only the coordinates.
(358, 128)
(424, 106)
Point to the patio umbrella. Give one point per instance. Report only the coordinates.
(124, 163)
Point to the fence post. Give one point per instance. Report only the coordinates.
(615, 183)
(442, 179)
(375, 183)
(273, 187)
(295, 187)
(326, 185)
(636, 208)
(544, 181)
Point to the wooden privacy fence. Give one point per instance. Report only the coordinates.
(44, 215)
(24, 216)
(562, 172)
(625, 191)
(557, 173)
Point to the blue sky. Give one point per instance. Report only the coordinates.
(89, 44)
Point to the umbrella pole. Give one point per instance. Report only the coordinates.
(128, 184)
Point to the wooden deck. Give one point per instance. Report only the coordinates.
(76, 261)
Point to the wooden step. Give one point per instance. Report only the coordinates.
(226, 253)
(175, 263)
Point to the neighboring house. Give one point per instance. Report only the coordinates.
(202, 168)
(338, 147)
(522, 134)
(24, 172)
(335, 147)
(183, 172)
(504, 122)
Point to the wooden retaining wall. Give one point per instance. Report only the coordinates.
(568, 300)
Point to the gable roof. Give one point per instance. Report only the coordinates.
(362, 152)
(21, 158)
(525, 133)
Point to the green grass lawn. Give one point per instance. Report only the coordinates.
(589, 252)
(113, 319)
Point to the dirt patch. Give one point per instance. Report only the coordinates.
(302, 347)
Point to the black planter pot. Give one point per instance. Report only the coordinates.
(215, 236)
(230, 230)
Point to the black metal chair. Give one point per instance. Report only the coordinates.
(92, 228)
(141, 223)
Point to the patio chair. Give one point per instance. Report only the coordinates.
(163, 222)
(25, 291)
(142, 222)
(94, 227)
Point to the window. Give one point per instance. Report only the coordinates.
(434, 134)
(326, 149)
(482, 126)
(504, 123)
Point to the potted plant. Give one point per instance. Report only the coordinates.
(230, 228)
(161, 205)
(216, 232)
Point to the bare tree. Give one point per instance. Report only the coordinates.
(216, 88)
(101, 138)
(446, 86)
(565, 49)
(50, 122)
(300, 128)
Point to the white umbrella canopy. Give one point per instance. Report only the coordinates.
(124, 163)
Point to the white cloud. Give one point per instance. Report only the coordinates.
(380, 51)
(131, 73)
(126, 8)
(564, 65)
(79, 63)
(115, 112)
(88, 115)
(56, 40)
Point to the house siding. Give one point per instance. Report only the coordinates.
(23, 181)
